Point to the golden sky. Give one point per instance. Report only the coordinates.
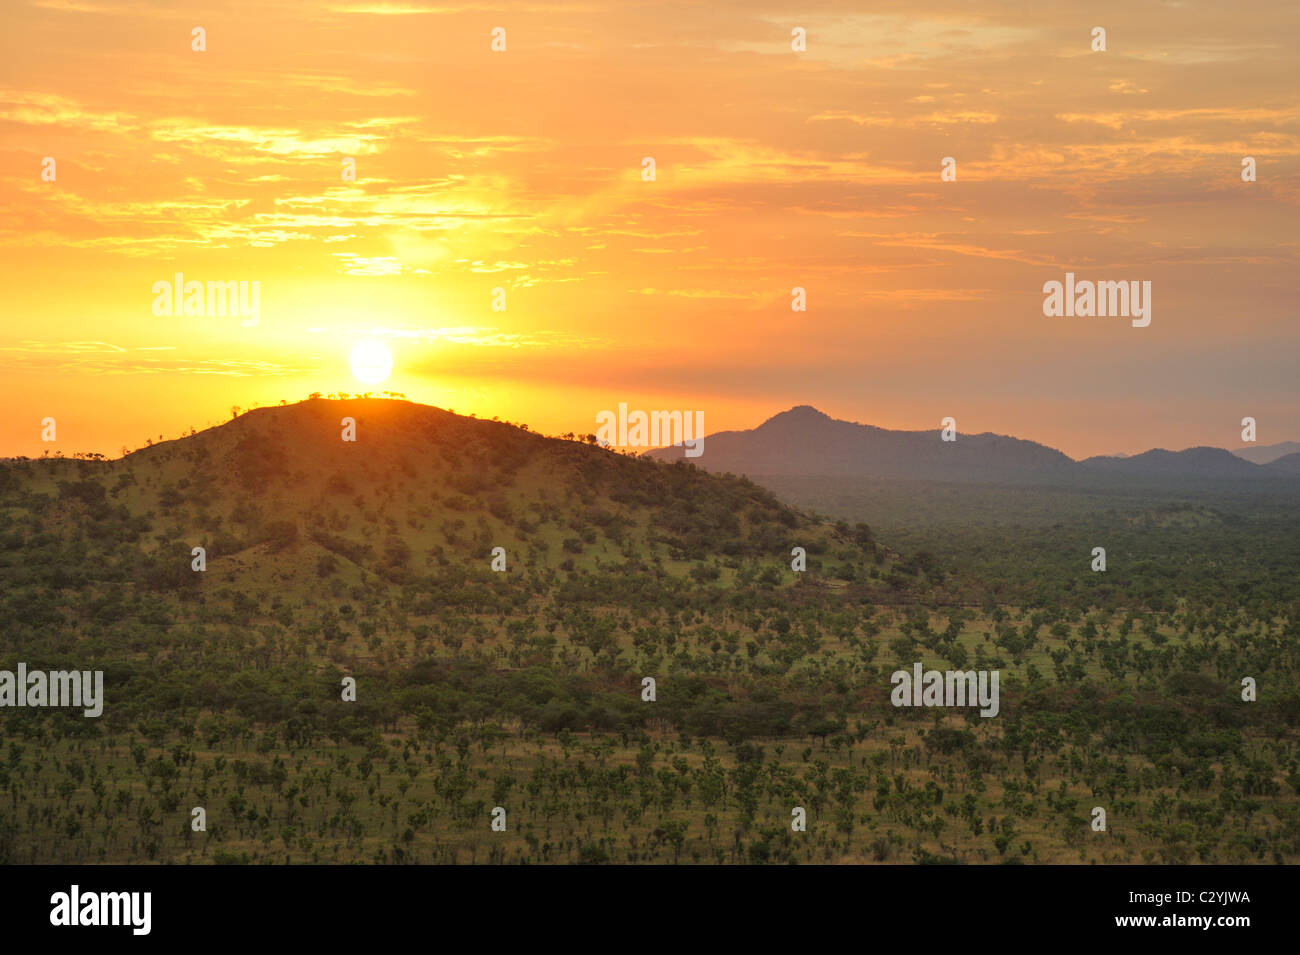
(522, 170)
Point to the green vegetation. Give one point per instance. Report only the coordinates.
(523, 689)
(1210, 546)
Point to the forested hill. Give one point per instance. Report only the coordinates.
(278, 497)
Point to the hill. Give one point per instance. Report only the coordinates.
(804, 441)
(1287, 464)
(648, 680)
(420, 498)
(1268, 453)
(1193, 463)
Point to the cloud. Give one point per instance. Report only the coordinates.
(104, 358)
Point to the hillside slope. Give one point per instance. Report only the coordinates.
(648, 680)
(422, 489)
(291, 516)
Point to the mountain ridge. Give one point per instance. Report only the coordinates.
(806, 441)
(1267, 453)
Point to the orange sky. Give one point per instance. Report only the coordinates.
(522, 170)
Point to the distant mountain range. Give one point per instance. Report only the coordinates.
(1268, 453)
(804, 441)
(1194, 462)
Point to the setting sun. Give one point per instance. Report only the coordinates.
(371, 362)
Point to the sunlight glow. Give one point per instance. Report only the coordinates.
(371, 362)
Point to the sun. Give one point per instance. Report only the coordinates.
(371, 362)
